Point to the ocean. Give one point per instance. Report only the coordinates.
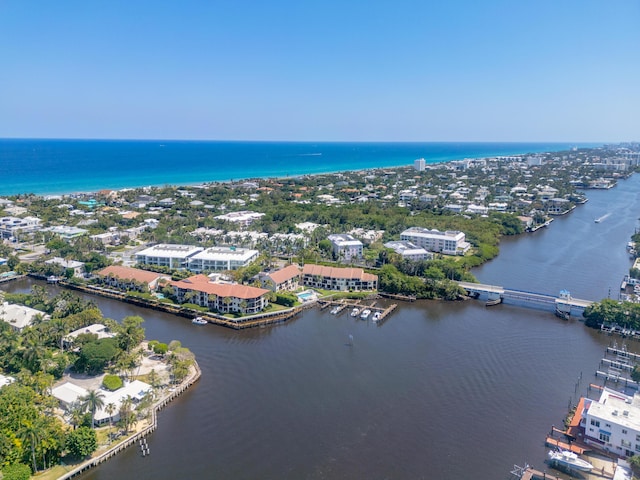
(46, 166)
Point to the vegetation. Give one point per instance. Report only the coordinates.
(623, 314)
(81, 442)
(112, 382)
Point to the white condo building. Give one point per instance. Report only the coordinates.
(345, 246)
(409, 251)
(448, 243)
(420, 164)
(221, 258)
(612, 422)
(167, 255)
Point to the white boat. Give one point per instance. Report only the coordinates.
(335, 310)
(570, 460)
(199, 321)
(365, 314)
(376, 316)
(355, 312)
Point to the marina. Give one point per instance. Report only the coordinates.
(359, 309)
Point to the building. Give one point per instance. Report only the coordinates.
(77, 267)
(19, 316)
(243, 218)
(127, 278)
(13, 227)
(409, 251)
(285, 279)
(222, 297)
(66, 232)
(420, 164)
(449, 243)
(97, 329)
(333, 278)
(221, 258)
(175, 257)
(345, 247)
(613, 422)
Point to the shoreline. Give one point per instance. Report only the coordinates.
(330, 162)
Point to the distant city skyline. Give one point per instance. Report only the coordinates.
(405, 71)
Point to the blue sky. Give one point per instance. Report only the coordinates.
(494, 70)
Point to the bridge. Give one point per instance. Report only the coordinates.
(563, 304)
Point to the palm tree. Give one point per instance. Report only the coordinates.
(93, 401)
(110, 409)
(31, 433)
(58, 329)
(76, 413)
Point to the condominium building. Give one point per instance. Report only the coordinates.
(449, 242)
(13, 227)
(223, 297)
(345, 247)
(166, 255)
(420, 164)
(612, 422)
(221, 258)
(409, 251)
(332, 278)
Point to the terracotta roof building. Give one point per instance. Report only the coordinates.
(287, 278)
(332, 278)
(127, 278)
(223, 297)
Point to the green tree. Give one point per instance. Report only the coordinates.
(16, 471)
(93, 401)
(81, 442)
(31, 434)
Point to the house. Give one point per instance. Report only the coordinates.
(13, 227)
(19, 316)
(6, 380)
(77, 267)
(285, 279)
(127, 278)
(333, 278)
(66, 232)
(97, 329)
(345, 247)
(223, 297)
(243, 218)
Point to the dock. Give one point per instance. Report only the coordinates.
(344, 303)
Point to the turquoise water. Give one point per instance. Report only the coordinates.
(68, 166)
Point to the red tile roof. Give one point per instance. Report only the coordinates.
(284, 274)
(201, 283)
(128, 273)
(336, 272)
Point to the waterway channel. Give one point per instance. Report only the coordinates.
(439, 391)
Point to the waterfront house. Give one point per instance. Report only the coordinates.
(77, 267)
(222, 297)
(334, 278)
(97, 329)
(127, 278)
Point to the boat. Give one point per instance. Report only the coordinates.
(376, 316)
(365, 314)
(355, 312)
(569, 460)
(335, 310)
(199, 321)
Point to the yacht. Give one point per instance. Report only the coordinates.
(365, 314)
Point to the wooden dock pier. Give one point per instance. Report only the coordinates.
(344, 303)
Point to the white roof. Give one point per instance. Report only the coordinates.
(136, 390)
(18, 316)
(5, 380)
(616, 408)
(98, 329)
(68, 392)
(226, 253)
(169, 251)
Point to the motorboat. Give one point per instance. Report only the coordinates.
(199, 321)
(365, 314)
(376, 316)
(335, 310)
(569, 460)
(355, 312)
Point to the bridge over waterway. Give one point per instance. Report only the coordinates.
(563, 304)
